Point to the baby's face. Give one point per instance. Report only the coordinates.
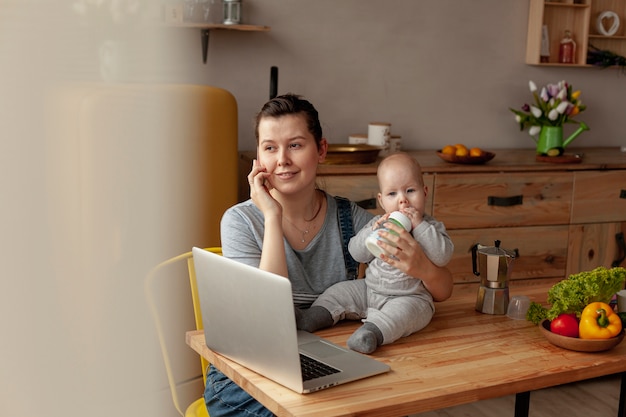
(400, 188)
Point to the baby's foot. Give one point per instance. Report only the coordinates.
(313, 319)
(366, 338)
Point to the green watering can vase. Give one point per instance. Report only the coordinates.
(551, 141)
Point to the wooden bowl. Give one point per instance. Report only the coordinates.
(471, 160)
(579, 345)
(351, 154)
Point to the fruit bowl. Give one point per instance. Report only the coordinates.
(474, 160)
(579, 345)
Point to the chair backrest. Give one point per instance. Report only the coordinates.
(158, 317)
(197, 312)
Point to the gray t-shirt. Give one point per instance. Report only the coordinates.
(311, 270)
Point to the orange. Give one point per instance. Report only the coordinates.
(461, 151)
(448, 150)
(476, 152)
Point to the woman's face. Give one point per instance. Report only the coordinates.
(288, 152)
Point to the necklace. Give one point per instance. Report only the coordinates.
(308, 222)
(304, 232)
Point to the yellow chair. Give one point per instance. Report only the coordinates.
(197, 408)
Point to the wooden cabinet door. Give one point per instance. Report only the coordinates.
(593, 245)
(599, 196)
(358, 188)
(463, 201)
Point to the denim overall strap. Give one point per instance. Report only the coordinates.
(344, 210)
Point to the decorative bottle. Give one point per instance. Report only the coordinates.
(397, 218)
(567, 49)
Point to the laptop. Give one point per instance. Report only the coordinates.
(248, 316)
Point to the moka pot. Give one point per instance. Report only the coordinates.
(493, 265)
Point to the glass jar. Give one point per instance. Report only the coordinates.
(232, 12)
(567, 49)
(396, 218)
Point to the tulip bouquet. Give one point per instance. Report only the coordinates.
(554, 105)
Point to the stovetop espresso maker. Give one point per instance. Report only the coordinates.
(493, 265)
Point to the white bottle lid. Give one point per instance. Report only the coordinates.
(402, 219)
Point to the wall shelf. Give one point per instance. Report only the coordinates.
(206, 28)
(578, 16)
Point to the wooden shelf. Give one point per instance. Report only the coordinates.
(212, 26)
(578, 16)
(568, 5)
(206, 28)
(604, 37)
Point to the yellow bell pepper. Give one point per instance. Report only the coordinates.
(599, 321)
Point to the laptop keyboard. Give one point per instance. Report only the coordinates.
(312, 368)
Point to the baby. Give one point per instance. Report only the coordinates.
(390, 303)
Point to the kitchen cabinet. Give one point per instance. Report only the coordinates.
(562, 218)
(580, 17)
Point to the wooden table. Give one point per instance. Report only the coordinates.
(462, 356)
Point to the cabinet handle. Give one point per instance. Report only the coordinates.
(621, 246)
(515, 200)
(622, 194)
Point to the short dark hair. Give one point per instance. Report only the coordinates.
(291, 104)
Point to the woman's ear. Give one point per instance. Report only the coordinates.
(322, 150)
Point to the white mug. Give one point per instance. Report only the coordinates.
(395, 144)
(621, 301)
(378, 134)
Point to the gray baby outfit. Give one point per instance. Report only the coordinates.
(395, 302)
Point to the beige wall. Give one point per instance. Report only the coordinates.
(440, 71)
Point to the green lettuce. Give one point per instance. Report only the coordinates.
(572, 295)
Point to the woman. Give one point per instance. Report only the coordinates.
(291, 228)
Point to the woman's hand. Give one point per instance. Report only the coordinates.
(260, 188)
(411, 259)
(273, 258)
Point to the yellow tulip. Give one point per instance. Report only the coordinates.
(576, 94)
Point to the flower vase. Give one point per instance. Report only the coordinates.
(550, 141)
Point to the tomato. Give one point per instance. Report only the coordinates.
(565, 325)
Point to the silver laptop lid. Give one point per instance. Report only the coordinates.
(255, 327)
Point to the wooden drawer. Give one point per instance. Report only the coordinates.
(361, 188)
(542, 251)
(464, 201)
(599, 196)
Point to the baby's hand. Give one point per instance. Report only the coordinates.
(415, 215)
(380, 221)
